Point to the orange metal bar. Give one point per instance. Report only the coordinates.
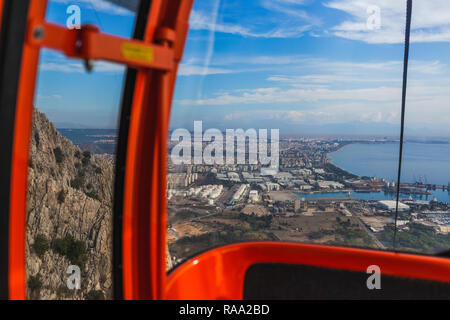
(89, 43)
(144, 232)
(220, 273)
(144, 223)
(181, 28)
(136, 261)
(1, 11)
(19, 169)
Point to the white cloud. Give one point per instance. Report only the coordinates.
(340, 92)
(77, 67)
(296, 95)
(426, 105)
(347, 113)
(430, 20)
(298, 70)
(58, 62)
(200, 21)
(203, 21)
(52, 96)
(193, 70)
(297, 2)
(291, 8)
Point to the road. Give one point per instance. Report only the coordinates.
(370, 233)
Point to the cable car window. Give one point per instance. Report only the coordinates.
(285, 127)
(71, 164)
(423, 222)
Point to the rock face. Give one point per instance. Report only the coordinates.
(69, 217)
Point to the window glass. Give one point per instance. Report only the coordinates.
(71, 165)
(316, 88)
(424, 221)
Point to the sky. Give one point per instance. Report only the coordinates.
(66, 93)
(305, 67)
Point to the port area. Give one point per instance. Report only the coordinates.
(309, 200)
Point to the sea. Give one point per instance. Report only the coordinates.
(95, 140)
(425, 162)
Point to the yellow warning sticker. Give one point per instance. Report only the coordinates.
(137, 52)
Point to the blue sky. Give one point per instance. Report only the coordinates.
(303, 66)
(69, 95)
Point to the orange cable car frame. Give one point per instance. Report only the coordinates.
(156, 57)
(140, 187)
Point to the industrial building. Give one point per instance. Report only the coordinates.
(210, 192)
(176, 180)
(240, 192)
(391, 205)
(253, 196)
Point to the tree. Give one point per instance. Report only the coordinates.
(59, 156)
(77, 183)
(34, 283)
(41, 245)
(95, 295)
(86, 154)
(86, 158)
(74, 250)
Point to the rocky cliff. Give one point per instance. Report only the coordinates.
(69, 216)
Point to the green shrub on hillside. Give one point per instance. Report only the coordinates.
(86, 154)
(72, 249)
(95, 295)
(34, 284)
(59, 156)
(93, 194)
(86, 158)
(41, 245)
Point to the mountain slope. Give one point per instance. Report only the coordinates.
(69, 216)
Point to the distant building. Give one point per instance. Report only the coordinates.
(253, 196)
(233, 176)
(272, 186)
(239, 193)
(175, 180)
(211, 192)
(283, 176)
(391, 205)
(329, 185)
(444, 229)
(300, 205)
(221, 176)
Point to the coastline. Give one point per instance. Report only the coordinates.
(321, 191)
(435, 193)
